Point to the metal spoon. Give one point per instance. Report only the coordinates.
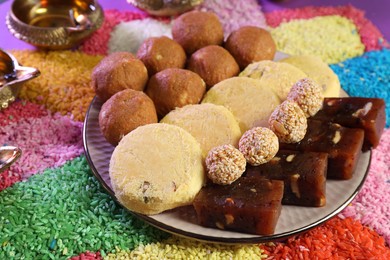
(8, 155)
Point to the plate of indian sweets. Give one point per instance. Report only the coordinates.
(227, 140)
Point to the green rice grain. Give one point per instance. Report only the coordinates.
(52, 216)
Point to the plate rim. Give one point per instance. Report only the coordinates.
(204, 238)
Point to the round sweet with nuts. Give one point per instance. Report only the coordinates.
(225, 164)
(308, 95)
(288, 122)
(258, 145)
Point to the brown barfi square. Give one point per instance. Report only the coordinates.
(249, 205)
(303, 174)
(356, 112)
(343, 146)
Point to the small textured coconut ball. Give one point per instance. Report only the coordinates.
(308, 95)
(213, 64)
(124, 112)
(116, 72)
(172, 88)
(225, 164)
(258, 145)
(195, 30)
(288, 122)
(159, 53)
(250, 44)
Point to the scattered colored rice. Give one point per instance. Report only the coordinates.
(234, 14)
(21, 109)
(64, 84)
(367, 76)
(47, 141)
(98, 43)
(181, 248)
(336, 239)
(370, 206)
(63, 212)
(370, 35)
(333, 38)
(128, 36)
(87, 256)
(8, 178)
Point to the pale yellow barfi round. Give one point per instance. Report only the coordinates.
(317, 70)
(211, 125)
(250, 101)
(157, 167)
(278, 76)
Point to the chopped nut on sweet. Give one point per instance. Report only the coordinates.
(308, 95)
(258, 145)
(225, 164)
(288, 122)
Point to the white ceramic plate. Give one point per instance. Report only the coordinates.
(292, 221)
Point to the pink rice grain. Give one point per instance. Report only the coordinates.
(87, 256)
(19, 110)
(47, 141)
(98, 43)
(7, 178)
(336, 239)
(233, 14)
(370, 35)
(372, 204)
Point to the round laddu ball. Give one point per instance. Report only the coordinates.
(225, 164)
(288, 122)
(116, 72)
(250, 44)
(124, 112)
(159, 53)
(173, 88)
(213, 64)
(308, 95)
(195, 30)
(258, 145)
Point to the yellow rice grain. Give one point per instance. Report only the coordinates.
(333, 38)
(64, 85)
(181, 248)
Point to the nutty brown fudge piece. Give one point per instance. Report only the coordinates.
(356, 112)
(342, 144)
(303, 174)
(249, 205)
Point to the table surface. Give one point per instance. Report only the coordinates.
(376, 10)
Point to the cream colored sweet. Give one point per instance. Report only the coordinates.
(258, 145)
(308, 95)
(157, 167)
(288, 122)
(278, 76)
(211, 125)
(317, 70)
(249, 100)
(225, 164)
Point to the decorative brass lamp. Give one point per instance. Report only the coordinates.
(12, 76)
(54, 24)
(165, 7)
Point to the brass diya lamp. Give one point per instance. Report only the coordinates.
(12, 76)
(54, 24)
(165, 7)
(8, 155)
